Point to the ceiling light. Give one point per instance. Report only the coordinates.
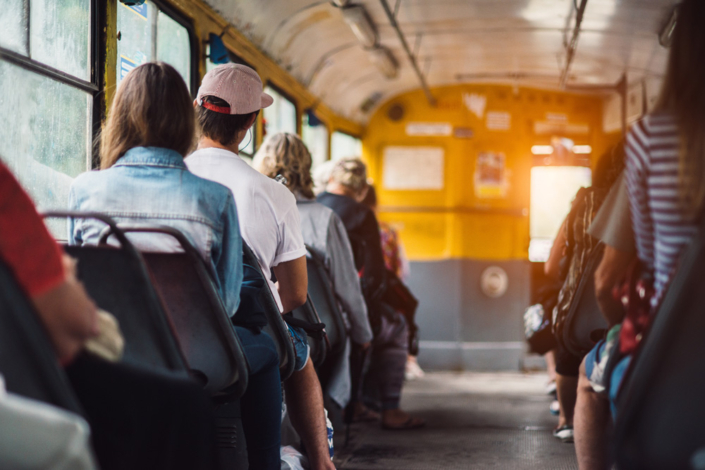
(582, 150)
(341, 3)
(385, 62)
(542, 149)
(359, 21)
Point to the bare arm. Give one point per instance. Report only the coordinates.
(609, 273)
(553, 264)
(292, 283)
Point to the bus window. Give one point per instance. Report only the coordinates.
(281, 115)
(344, 145)
(552, 191)
(46, 137)
(315, 136)
(139, 44)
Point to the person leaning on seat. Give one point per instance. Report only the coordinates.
(227, 104)
(138, 420)
(285, 155)
(144, 179)
(346, 189)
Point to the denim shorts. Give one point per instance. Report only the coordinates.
(301, 347)
(617, 373)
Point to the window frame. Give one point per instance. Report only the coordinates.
(94, 87)
(290, 99)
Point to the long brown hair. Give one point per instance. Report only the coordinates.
(152, 108)
(286, 154)
(683, 96)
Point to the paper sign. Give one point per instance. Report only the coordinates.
(126, 65)
(499, 120)
(475, 103)
(490, 175)
(139, 10)
(429, 128)
(413, 168)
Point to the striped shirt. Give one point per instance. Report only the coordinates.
(660, 228)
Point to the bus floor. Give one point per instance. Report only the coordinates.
(474, 421)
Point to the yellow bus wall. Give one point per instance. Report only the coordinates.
(454, 222)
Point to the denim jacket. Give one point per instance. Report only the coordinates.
(152, 186)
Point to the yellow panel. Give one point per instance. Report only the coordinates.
(483, 219)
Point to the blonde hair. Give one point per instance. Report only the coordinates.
(683, 96)
(286, 155)
(152, 108)
(350, 172)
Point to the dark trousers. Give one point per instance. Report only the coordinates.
(262, 401)
(142, 420)
(390, 348)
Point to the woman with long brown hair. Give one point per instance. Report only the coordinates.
(144, 179)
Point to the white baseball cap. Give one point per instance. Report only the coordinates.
(236, 84)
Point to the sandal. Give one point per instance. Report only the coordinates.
(411, 423)
(366, 416)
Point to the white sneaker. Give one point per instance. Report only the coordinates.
(564, 433)
(551, 388)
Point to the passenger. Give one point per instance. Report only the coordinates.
(144, 179)
(576, 244)
(286, 155)
(139, 420)
(346, 188)
(396, 262)
(665, 176)
(227, 105)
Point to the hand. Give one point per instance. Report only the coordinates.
(364, 346)
(68, 313)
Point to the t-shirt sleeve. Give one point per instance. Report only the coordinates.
(612, 224)
(290, 239)
(25, 243)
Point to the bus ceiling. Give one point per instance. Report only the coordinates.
(357, 54)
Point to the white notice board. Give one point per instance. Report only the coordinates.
(413, 168)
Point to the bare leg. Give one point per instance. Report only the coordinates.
(304, 400)
(592, 418)
(566, 387)
(550, 365)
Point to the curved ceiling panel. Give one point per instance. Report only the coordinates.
(516, 41)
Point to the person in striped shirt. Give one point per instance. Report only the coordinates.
(665, 175)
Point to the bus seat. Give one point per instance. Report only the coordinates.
(323, 297)
(28, 362)
(276, 328)
(661, 412)
(585, 321)
(118, 280)
(186, 286)
(319, 346)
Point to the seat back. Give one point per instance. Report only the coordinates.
(661, 411)
(118, 280)
(321, 292)
(206, 335)
(319, 346)
(584, 315)
(28, 362)
(276, 328)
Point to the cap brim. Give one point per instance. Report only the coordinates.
(266, 101)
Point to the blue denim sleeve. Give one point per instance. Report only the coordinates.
(228, 266)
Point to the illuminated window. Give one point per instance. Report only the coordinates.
(552, 191)
(281, 115)
(148, 34)
(316, 139)
(344, 145)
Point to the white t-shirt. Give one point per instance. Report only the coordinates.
(267, 213)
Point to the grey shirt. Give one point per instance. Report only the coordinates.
(325, 233)
(613, 224)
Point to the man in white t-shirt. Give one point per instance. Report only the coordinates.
(227, 105)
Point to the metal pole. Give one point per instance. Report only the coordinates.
(412, 59)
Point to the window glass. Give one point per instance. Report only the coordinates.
(135, 44)
(46, 139)
(553, 188)
(316, 139)
(343, 145)
(174, 46)
(280, 116)
(60, 35)
(13, 33)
